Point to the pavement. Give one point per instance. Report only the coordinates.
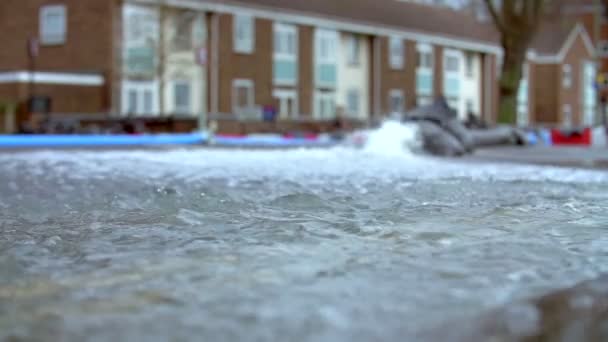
(566, 156)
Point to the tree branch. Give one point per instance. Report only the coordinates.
(497, 21)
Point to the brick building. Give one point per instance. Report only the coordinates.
(233, 58)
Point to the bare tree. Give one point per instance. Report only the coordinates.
(517, 21)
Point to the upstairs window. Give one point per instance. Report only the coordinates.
(567, 76)
(469, 65)
(53, 24)
(285, 40)
(354, 50)
(396, 52)
(327, 42)
(452, 64)
(244, 33)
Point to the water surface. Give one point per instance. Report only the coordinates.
(310, 245)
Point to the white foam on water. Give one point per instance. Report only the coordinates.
(393, 138)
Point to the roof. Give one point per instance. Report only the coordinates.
(552, 36)
(389, 14)
(555, 40)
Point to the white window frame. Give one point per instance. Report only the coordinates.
(423, 48)
(287, 29)
(523, 111)
(567, 76)
(140, 88)
(53, 38)
(394, 93)
(327, 97)
(469, 65)
(353, 94)
(567, 118)
(453, 102)
(283, 95)
(243, 44)
(354, 50)
(331, 38)
(250, 86)
(182, 110)
(589, 112)
(396, 52)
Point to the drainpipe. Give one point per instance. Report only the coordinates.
(377, 77)
(599, 110)
(215, 35)
(162, 57)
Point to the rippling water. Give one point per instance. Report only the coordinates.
(311, 245)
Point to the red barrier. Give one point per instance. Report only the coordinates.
(560, 137)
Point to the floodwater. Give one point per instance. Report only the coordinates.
(299, 245)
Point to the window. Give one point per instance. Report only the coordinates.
(139, 98)
(53, 26)
(469, 107)
(354, 50)
(244, 33)
(567, 119)
(589, 93)
(325, 105)
(396, 101)
(424, 73)
(396, 52)
(352, 102)
(452, 64)
(242, 96)
(425, 58)
(285, 67)
(603, 48)
(452, 77)
(148, 101)
(183, 24)
(285, 38)
(469, 65)
(132, 102)
(522, 99)
(567, 76)
(327, 42)
(182, 97)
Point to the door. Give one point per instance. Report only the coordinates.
(288, 103)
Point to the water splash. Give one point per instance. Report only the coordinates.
(393, 138)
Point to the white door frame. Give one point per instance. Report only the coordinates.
(283, 95)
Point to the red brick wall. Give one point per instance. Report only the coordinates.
(401, 79)
(88, 48)
(545, 91)
(256, 66)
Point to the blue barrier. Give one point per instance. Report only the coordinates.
(100, 140)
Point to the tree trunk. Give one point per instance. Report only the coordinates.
(515, 53)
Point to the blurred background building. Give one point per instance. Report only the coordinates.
(299, 61)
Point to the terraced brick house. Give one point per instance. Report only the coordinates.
(233, 59)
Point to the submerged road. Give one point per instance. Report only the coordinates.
(579, 157)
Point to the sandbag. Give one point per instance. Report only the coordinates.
(491, 137)
(438, 141)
